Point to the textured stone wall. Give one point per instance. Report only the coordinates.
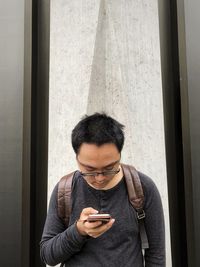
(105, 56)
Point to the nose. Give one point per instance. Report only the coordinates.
(99, 177)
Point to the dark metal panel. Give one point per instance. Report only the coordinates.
(11, 123)
(192, 39)
(174, 138)
(26, 169)
(186, 141)
(35, 145)
(39, 125)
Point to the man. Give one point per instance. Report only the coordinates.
(99, 186)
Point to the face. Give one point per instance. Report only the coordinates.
(93, 160)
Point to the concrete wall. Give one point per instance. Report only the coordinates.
(104, 56)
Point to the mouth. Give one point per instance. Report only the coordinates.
(99, 185)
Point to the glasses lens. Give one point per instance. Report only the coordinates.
(105, 173)
(109, 173)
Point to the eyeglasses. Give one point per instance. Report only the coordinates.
(95, 174)
(108, 173)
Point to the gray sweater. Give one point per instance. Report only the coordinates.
(120, 245)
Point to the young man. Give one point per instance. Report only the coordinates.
(99, 187)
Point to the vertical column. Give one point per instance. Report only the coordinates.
(179, 31)
(26, 175)
(39, 125)
(189, 36)
(173, 135)
(35, 129)
(11, 125)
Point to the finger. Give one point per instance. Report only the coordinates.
(85, 227)
(86, 211)
(89, 210)
(93, 225)
(89, 228)
(110, 223)
(82, 225)
(96, 232)
(107, 225)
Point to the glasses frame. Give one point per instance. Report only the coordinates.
(104, 173)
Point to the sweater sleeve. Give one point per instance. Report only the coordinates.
(58, 244)
(154, 225)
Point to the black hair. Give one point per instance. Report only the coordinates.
(97, 129)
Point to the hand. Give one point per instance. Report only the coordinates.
(93, 229)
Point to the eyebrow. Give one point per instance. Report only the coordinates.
(91, 167)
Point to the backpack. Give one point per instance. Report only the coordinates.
(135, 194)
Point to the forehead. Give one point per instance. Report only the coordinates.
(93, 154)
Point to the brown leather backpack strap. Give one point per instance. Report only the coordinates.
(136, 198)
(134, 187)
(64, 196)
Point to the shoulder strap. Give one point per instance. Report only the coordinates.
(134, 187)
(136, 198)
(64, 195)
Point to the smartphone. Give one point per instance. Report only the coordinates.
(104, 217)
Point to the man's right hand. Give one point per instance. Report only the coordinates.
(93, 229)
